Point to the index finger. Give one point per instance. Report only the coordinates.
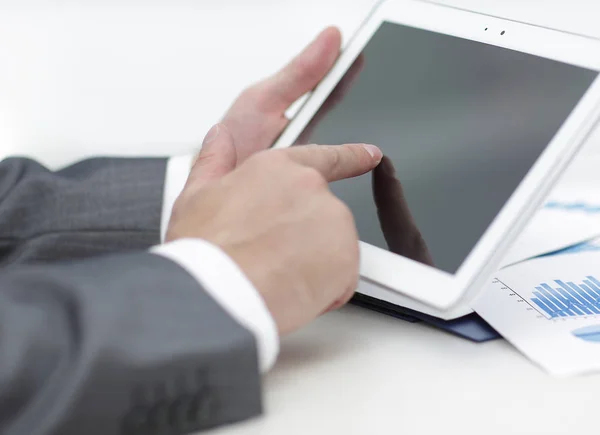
(336, 162)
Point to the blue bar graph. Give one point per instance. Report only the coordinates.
(568, 299)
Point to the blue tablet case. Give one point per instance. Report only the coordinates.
(471, 327)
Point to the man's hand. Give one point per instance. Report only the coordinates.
(257, 117)
(275, 216)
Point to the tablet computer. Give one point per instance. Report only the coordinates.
(477, 117)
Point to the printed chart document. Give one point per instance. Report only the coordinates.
(549, 309)
(570, 216)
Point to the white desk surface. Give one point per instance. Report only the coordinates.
(150, 77)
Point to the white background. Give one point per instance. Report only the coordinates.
(81, 78)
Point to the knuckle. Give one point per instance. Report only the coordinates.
(340, 210)
(311, 178)
(269, 158)
(279, 158)
(275, 165)
(334, 158)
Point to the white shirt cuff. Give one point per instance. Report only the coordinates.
(176, 175)
(222, 279)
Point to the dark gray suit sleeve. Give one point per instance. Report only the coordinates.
(121, 344)
(94, 207)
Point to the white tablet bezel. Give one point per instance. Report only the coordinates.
(424, 284)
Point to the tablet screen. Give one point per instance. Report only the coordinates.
(460, 124)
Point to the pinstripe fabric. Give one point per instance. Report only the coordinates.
(95, 344)
(97, 206)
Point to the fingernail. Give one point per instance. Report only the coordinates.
(212, 134)
(374, 151)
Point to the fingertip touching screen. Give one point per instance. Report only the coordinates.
(460, 124)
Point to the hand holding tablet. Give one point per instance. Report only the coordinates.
(477, 118)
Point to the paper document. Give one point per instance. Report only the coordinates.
(549, 309)
(569, 216)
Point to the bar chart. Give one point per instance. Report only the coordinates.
(588, 333)
(568, 299)
(549, 308)
(573, 206)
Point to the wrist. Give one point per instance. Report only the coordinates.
(275, 293)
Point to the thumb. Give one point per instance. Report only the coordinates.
(216, 159)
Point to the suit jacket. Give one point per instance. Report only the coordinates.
(97, 336)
